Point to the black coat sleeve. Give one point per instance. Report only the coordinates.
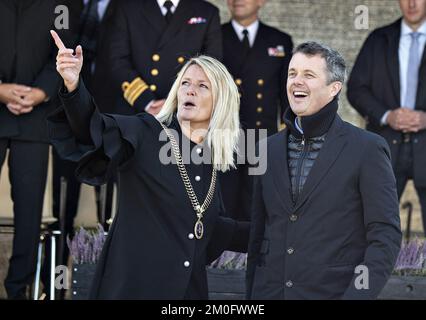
(100, 143)
(381, 219)
(79, 108)
(360, 84)
(257, 230)
(229, 234)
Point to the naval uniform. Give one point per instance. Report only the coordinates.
(146, 52)
(261, 74)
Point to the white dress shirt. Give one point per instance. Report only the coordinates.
(252, 31)
(163, 9)
(404, 54)
(164, 12)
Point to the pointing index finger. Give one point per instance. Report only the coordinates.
(58, 40)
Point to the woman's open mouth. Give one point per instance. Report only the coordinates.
(189, 105)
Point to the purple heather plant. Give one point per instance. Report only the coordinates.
(86, 246)
(411, 260)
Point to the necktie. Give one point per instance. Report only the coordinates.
(168, 5)
(88, 30)
(246, 43)
(412, 72)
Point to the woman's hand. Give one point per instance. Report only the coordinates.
(67, 64)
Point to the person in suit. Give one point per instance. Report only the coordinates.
(98, 76)
(90, 25)
(326, 207)
(169, 222)
(28, 87)
(150, 42)
(387, 87)
(257, 56)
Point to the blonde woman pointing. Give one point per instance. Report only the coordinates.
(170, 220)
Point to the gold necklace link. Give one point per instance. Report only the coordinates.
(199, 210)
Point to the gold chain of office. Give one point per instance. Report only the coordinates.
(199, 209)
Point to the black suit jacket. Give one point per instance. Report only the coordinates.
(261, 76)
(142, 45)
(28, 58)
(374, 88)
(100, 83)
(346, 215)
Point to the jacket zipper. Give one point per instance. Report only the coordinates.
(300, 166)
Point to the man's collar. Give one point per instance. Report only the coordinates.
(161, 2)
(252, 28)
(296, 125)
(406, 30)
(314, 125)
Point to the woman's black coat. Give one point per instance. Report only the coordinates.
(149, 253)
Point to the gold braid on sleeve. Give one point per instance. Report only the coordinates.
(132, 90)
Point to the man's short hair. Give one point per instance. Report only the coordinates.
(336, 65)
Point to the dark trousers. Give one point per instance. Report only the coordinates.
(404, 171)
(27, 163)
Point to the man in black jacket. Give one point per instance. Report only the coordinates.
(28, 88)
(257, 56)
(388, 88)
(151, 40)
(325, 222)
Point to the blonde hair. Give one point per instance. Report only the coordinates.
(223, 132)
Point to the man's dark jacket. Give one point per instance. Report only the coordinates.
(374, 88)
(28, 58)
(347, 215)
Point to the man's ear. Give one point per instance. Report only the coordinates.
(336, 87)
